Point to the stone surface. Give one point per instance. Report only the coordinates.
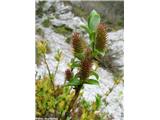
(115, 41)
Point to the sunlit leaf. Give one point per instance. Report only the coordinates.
(94, 20)
(92, 82)
(74, 82)
(97, 52)
(98, 101)
(58, 55)
(95, 74)
(74, 64)
(86, 28)
(79, 55)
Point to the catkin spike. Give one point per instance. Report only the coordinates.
(76, 43)
(86, 65)
(101, 37)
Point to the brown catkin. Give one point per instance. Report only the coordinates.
(68, 74)
(86, 65)
(76, 43)
(101, 37)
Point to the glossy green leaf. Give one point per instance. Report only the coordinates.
(85, 27)
(97, 52)
(95, 74)
(79, 55)
(74, 63)
(98, 101)
(92, 36)
(92, 82)
(74, 82)
(94, 20)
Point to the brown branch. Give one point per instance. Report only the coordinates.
(77, 91)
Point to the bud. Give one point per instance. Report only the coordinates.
(76, 43)
(68, 74)
(101, 37)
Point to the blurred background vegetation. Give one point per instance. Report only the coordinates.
(112, 13)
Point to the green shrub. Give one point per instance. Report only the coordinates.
(42, 47)
(39, 9)
(46, 23)
(40, 32)
(63, 30)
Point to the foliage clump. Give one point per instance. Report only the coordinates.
(46, 22)
(42, 47)
(64, 30)
(40, 32)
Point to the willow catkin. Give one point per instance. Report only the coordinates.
(76, 43)
(101, 37)
(86, 65)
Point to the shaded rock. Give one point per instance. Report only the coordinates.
(115, 44)
(73, 23)
(66, 16)
(61, 8)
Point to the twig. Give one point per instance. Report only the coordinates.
(110, 89)
(56, 68)
(45, 61)
(72, 101)
(109, 92)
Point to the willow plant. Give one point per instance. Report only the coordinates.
(84, 58)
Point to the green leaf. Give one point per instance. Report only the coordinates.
(79, 55)
(57, 58)
(85, 103)
(68, 118)
(97, 52)
(92, 36)
(92, 39)
(120, 93)
(92, 82)
(95, 74)
(74, 82)
(58, 55)
(66, 90)
(74, 63)
(86, 28)
(98, 101)
(41, 93)
(94, 20)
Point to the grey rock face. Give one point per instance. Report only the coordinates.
(72, 23)
(66, 17)
(61, 8)
(115, 44)
(57, 41)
